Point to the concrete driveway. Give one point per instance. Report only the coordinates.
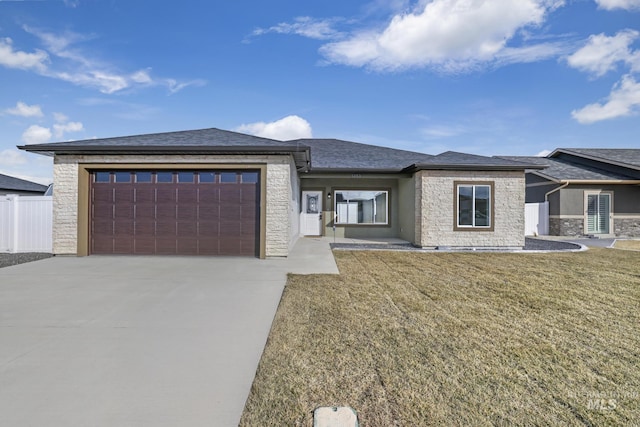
(138, 341)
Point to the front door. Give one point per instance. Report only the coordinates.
(311, 216)
(598, 214)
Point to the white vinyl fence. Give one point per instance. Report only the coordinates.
(536, 219)
(26, 223)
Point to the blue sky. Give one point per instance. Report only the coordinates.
(487, 77)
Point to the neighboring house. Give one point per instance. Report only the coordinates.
(590, 191)
(217, 192)
(11, 185)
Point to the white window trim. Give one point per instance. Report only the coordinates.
(473, 226)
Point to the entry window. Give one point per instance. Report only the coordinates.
(164, 177)
(249, 177)
(123, 177)
(362, 207)
(228, 177)
(143, 176)
(474, 206)
(102, 176)
(185, 177)
(207, 177)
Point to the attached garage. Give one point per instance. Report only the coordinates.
(175, 212)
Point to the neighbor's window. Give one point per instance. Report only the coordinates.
(474, 205)
(361, 207)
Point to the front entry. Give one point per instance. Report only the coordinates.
(311, 215)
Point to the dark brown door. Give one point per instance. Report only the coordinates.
(175, 212)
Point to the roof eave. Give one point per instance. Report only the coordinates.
(302, 161)
(472, 167)
(595, 158)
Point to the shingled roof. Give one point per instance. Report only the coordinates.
(16, 184)
(334, 155)
(562, 170)
(626, 157)
(317, 155)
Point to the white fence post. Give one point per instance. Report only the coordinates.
(536, 219)
(26, 223)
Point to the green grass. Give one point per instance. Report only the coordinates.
(413, 339)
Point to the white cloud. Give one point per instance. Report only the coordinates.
(319, 29)
(22, 60)
(618, 4)
(12, 157)
(71, 64)
(60, 118)
(544, 153)
(36, 134)
(24, 110)
(290, 127)
(60, 129)
(602, 53)
(437, 132)
(624, 100)
(449, 35)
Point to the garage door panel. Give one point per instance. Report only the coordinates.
(145, 229)
(145, 212)
(166, 194)
(165, 228)
(208, 246)
(166, 246)
(165, 212)
(184, 216)
(103, 194)
(145, 246)
(230, 245)
(187, 212)
(122, 246)
(208, 229)
(124, 228)
(230, 193)
(230, 212)
(123, 211)
(187, 229)
(145, 194)
(102, 244)
(230, 229)
(187, 246)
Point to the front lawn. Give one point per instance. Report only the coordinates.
(412, 339)
(632, 245)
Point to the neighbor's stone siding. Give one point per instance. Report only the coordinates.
(566, 226)
(626, 227)
(435, 197)
(65, 195)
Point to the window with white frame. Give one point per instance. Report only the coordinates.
(361, 207)
(474, 206)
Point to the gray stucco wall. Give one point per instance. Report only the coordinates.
(345, 182)
(567, 209)
(407, 210)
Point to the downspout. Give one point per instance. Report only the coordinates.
(546, 196)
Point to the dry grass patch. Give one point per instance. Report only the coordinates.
(633, 245)
(412, 339)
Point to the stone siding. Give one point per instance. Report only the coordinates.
(65, 195)
(566, 226)
(435, 197)
(627, 227)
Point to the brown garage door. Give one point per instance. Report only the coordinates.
(175, 212)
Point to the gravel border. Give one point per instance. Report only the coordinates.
(7, 260)
(531, 245)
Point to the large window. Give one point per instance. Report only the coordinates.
(362, 207)
(474, 206)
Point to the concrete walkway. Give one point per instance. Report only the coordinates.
(138, 341)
